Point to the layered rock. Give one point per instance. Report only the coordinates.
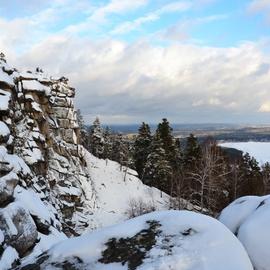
(41, 163)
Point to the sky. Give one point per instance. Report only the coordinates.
(192, 61)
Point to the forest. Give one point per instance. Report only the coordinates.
(194, 172)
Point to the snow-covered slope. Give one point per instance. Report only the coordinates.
(119, 193)
(259, 150)
(168, 240)
(249, 218)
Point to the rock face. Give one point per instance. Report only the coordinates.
(42, 167)
(168, 240)
(248, 218)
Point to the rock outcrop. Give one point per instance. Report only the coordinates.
(42, 167)
(167, 240)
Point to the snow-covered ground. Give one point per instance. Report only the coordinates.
(259, 150)
(249, 217)
(117, 190)
(157, 241)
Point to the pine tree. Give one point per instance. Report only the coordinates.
(96, 139)
(266, 177)
(83, 132)
(120, 150)
(158, 171)
(250, 169)
(142, 148)
(193, 152)
(108, 144)
(165, 132)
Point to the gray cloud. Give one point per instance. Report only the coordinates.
(127, 83)
(133, 82)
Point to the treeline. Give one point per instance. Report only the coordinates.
(202, 174)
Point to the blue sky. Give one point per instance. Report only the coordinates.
(188, 60)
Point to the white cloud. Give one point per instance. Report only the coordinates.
(180, 31)
(260, 6)
(173, 7)
(265, 107)
(144, 82)
(138, 81)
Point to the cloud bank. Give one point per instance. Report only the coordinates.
(130, 82)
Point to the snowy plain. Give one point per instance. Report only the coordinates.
(259, 150)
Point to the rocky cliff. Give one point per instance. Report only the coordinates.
(41, 163)
(51, 188)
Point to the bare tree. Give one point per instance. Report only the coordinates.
(209, 178)
(137, 207)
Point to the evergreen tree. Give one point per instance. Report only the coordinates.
(83, 132)
(158, 171)
(266, 177)
(142, 148)
(165, 133)
(120, 150)
(193, 152)
(96, 139)
(108, 144)
(250, 169)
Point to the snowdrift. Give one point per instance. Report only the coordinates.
(249, 218)
(166, 240)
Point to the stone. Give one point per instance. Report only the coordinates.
(18, 227)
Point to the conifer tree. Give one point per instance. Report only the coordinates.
(193, 152)
(158, 171)
(120, 151)
(250, 169)
(83, 132)
(266, 177)
(108, 144)
(142, 148)
(96, 139)
(165, 132)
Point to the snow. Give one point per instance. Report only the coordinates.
(36, 107)
(16, 162)
(259, 150)
(207, 248)
(115, 189)
(31, 201)
(4, 77)
(4, 100)
(8, 257)
(249, 218)
(4, 130)
(45, 242)
(34, 85)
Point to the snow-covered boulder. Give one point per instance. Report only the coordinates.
(7, 186)
(249, 218)
(167, 240)
(18, 227)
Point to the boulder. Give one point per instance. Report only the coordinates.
(18, 227)
(160, 240)
(7, 186)
(249, 218)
